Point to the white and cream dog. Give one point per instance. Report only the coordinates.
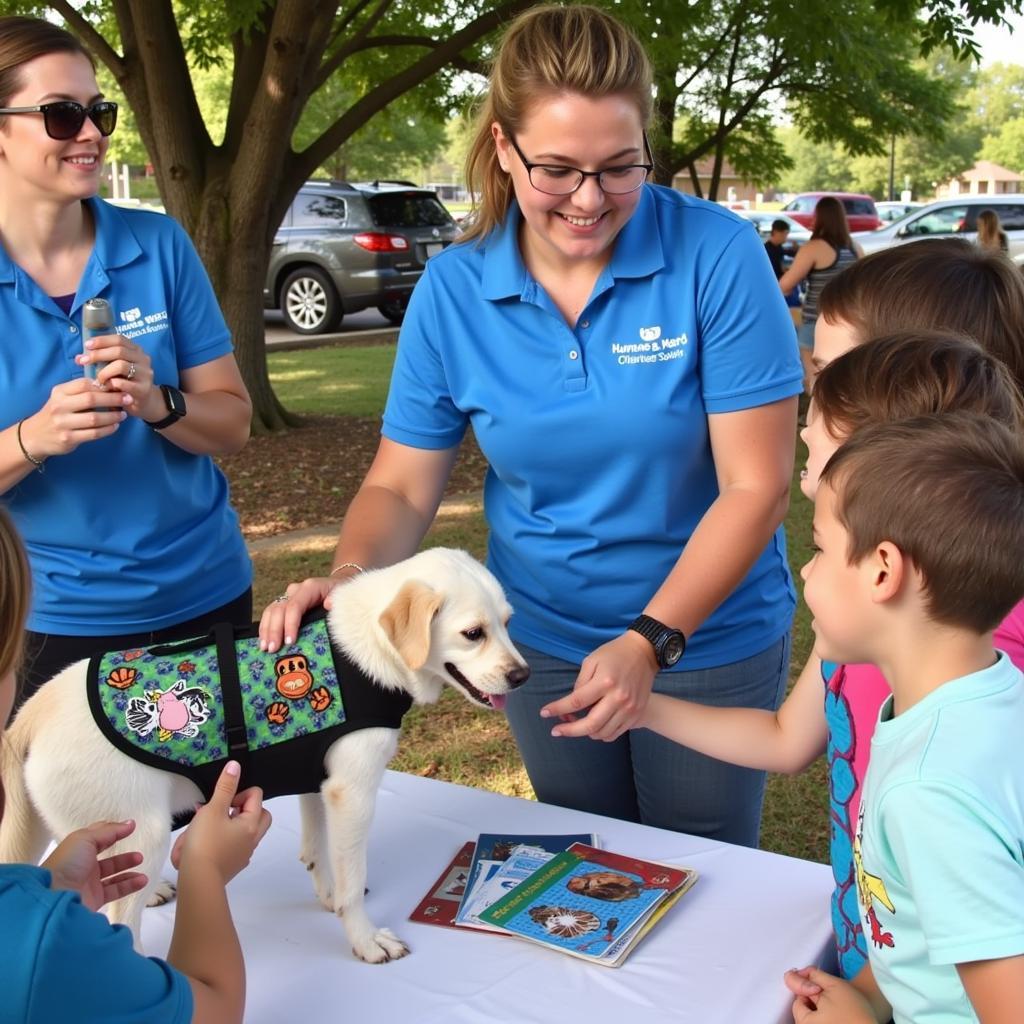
(438, 617)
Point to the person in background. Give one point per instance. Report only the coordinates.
(126, 518)
(62, 961)
(990, 232)
(774, 247)
(829, 251)
(625, 359)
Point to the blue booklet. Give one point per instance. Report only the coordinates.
(492, 852)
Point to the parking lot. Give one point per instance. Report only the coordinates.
(366, 326)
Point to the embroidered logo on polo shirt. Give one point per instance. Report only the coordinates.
(652, 348)
(134, 323)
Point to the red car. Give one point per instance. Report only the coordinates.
(861, 214)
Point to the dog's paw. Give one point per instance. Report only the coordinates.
(164, 892)
(383, 945)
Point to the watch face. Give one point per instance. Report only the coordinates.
(673, 650)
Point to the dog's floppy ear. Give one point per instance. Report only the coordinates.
(406, 621)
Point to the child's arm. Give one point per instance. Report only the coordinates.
(787, 740)
(995, 988)
(204, 946)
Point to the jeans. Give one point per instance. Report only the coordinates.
(641, 776)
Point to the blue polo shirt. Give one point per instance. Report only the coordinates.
(63, 962)
(129, 533)
(597, 437)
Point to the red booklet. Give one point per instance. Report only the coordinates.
(441, 903)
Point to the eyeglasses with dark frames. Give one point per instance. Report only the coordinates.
(557, 180)
(64, 119)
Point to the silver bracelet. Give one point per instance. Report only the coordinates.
(38, 463)
(346, 565)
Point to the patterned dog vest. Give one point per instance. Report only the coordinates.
(190, 706)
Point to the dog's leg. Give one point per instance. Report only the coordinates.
(313, 851)
(152, 838)
(355, 766)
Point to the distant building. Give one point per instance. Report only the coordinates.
(983, 179)
(731, 187)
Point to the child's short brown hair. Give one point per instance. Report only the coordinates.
(948, 491)
(944, 284)
(914, 373)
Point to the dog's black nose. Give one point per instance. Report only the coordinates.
(517, 676)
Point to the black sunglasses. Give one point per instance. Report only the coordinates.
(64, 119)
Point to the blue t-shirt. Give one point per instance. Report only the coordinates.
(59, 961)
(129, 533)
(597, 436)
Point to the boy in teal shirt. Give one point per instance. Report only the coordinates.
(918, 529)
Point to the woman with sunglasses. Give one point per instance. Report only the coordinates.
(105, 448)
(628, 366)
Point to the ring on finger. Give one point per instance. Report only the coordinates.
(131, 372)
(280, 597)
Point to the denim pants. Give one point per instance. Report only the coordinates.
(641, 776)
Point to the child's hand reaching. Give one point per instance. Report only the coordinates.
(76, 864)
(226, 831)
(822, 998)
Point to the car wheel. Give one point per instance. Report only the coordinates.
(310, 302)
(393, 311)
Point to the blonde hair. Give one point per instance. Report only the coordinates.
(15, 593)
(549, 50)
(990, 231)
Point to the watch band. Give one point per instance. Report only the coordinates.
(668, 642)
(175, 402)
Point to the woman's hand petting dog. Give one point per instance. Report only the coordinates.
(225, 831)
(282, 618)
(76, 865)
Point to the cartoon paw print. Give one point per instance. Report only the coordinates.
(132, 655)
(121, 678)
(278, 713)
(320, 698)
(187, 666)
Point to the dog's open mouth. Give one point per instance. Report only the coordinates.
(487, 700)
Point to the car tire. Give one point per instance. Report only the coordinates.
(393, 311)
(310, 302)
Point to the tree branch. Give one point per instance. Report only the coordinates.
(354, 44)
(90, 37)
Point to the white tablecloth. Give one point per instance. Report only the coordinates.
(717, 957)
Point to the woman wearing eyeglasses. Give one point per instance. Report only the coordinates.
(110, 481)
(629, 369)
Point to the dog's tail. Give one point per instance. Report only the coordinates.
(23, 835)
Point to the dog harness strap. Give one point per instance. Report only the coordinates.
(231, 693)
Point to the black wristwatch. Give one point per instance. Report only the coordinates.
(175, 402)
(668, 643)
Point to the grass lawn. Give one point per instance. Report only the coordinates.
(453, 741)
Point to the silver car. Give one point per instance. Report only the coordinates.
(955, 217)
(345, 247)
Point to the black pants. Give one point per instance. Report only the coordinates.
(47, 653)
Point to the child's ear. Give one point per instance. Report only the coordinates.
(887, 571)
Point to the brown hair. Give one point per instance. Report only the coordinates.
(943, 284)
(15, 592)
(830, 223)
(990, 231)
(546, 51)
(24, 39)
(948, 491)
(915, 373)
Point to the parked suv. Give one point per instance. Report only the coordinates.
(861, 214)
(955, 217)
(344, 247)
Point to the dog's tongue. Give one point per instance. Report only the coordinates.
(497, 701)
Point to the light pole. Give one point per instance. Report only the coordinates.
(892, 168)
